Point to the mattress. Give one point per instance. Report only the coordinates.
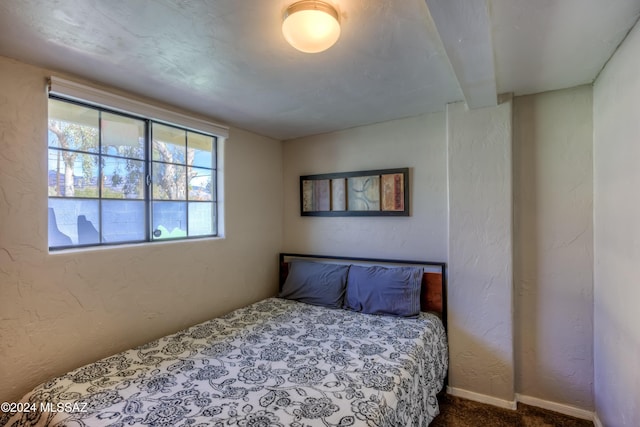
(273, 363)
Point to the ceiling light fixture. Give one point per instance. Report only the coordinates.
(311, 26)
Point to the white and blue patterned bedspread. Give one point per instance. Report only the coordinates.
(274, 363)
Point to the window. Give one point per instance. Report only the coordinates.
(118, 178)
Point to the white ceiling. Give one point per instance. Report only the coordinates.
(396, 58)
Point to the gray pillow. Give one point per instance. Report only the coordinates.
(316, 283)
(382, 290)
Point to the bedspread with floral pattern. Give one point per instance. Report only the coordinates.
(274, 363)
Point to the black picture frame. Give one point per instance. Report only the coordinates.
(379, 192)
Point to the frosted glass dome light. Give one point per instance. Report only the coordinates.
(311, 26)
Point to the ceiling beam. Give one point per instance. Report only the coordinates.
(465, 30)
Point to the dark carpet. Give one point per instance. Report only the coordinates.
(457, 412)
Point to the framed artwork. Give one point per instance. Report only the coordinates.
(383, 192)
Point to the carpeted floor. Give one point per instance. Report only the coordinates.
(457, 412)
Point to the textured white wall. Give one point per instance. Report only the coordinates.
(616, 123)
(553, 246)
(480, 250)
(63, 310)
(417, 143)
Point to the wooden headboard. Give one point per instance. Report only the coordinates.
(433, 293)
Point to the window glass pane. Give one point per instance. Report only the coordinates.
(98, 163)
(56, 173)
(122, 136)
(123, 178)
(199, 150)
(169, 220)
(169, 182)
(72, 174)
(169, 144)
(201, 184)
(73, 222)
(72, 126)
(123, 221)
(201, 217)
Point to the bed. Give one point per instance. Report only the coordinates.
(287, 361)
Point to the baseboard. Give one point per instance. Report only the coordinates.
(560, 408)
(482, 398)
(596, 420)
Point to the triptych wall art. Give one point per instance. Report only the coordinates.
(383, 192)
